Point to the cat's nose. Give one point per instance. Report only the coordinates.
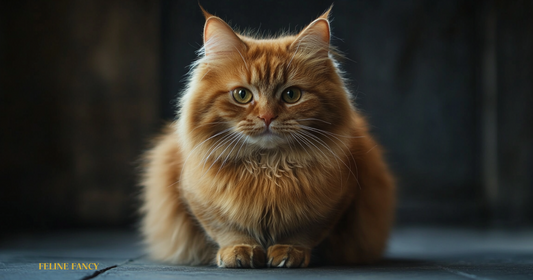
(267, 118)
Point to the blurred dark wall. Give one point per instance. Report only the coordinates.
(84, 84)
(80, 95)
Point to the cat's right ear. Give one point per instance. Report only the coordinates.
(219, 38)
(315, 36)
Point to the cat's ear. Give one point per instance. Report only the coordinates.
(219, 38)
(316, 35)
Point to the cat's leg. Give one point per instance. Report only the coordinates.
(361, 234)
(295, 250)
(283, 255)
(237, 250)
(241, 256)
(170, 233)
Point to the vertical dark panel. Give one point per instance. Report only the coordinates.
(515, 114)
(488, 91)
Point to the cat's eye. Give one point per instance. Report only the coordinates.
(242, 95)
(291, 95)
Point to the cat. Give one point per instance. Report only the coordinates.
(269, 161)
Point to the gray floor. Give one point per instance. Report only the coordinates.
(414, 253)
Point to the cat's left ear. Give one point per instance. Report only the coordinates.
(316, 35)
(219, 38)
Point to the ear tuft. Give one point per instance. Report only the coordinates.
(206, 13)
(325, 15)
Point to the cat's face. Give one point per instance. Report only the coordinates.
(266, 94)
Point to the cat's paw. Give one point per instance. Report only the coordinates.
(244, 256)
(288, 256)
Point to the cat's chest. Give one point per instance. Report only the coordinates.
(262, 198)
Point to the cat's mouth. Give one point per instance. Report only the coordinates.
(267, 133)
(267, 139)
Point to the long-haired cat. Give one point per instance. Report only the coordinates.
(269, 162)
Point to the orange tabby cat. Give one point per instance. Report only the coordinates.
(269, 160)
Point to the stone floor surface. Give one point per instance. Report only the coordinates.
(414, 253)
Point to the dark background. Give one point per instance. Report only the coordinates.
(447, 86)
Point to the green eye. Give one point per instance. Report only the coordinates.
(291, 95)
(242, 95)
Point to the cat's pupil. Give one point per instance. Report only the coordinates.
(290, 93)
(242, 93)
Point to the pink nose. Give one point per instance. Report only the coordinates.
(267, 118)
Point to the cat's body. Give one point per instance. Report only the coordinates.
(268, 160)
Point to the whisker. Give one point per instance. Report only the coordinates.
(289, 141)
(174, 183)
(227, 156)
(243, 142)
(238, 153)
(309, 142)
(198, 145)
(325, 146)
(322, 132)
(305, 140)
(371, 149)
(294, 137)
(301, 137)
(232, 137)
(313, 119)
(330, 133)
(208, 70)
(216, 145)
(219, 144)
(325, 134)
(207, 124)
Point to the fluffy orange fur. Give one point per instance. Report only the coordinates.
(266, 182)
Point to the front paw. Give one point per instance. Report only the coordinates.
(241, 256)
(288, 256)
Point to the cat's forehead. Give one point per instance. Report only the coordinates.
(272, 47)
(266, 62)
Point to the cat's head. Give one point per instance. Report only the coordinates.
(265, 94)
